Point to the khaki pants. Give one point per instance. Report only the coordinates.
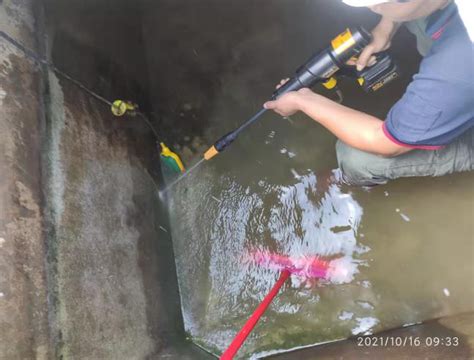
(362, 168)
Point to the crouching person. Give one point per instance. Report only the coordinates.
(428, 132)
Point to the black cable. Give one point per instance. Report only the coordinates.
(35, 57)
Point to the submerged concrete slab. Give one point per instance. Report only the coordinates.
(447, 338)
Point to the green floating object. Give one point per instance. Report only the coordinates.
(171, 160)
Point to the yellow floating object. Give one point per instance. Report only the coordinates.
(171, 159)
(120, 107)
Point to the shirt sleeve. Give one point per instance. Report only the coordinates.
(438, 105)
(410, 120)
(431, 114)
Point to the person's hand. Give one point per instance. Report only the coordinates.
(287, 104)
(382, 38)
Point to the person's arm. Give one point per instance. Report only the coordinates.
(355, 128)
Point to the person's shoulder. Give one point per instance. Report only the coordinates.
(450, 61)
(454, 33)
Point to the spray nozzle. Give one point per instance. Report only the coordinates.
(220, 145)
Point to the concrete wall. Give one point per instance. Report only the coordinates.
(105, 38)
(113, 282)
(86, 263)
(23, 302)
(100, 200)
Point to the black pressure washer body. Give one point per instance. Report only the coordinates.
(323, 65)
(321, 68)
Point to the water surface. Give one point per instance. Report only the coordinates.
(408, 245)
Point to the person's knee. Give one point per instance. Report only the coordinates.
(355, 164)
(348, 163)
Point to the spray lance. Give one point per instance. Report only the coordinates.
(321, 68)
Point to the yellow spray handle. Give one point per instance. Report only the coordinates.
(165, 151)
(331, 83)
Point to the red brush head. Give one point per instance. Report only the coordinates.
(306, 266)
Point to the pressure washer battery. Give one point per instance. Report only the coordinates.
(374, 77)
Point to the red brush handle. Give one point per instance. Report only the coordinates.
(252, 321)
